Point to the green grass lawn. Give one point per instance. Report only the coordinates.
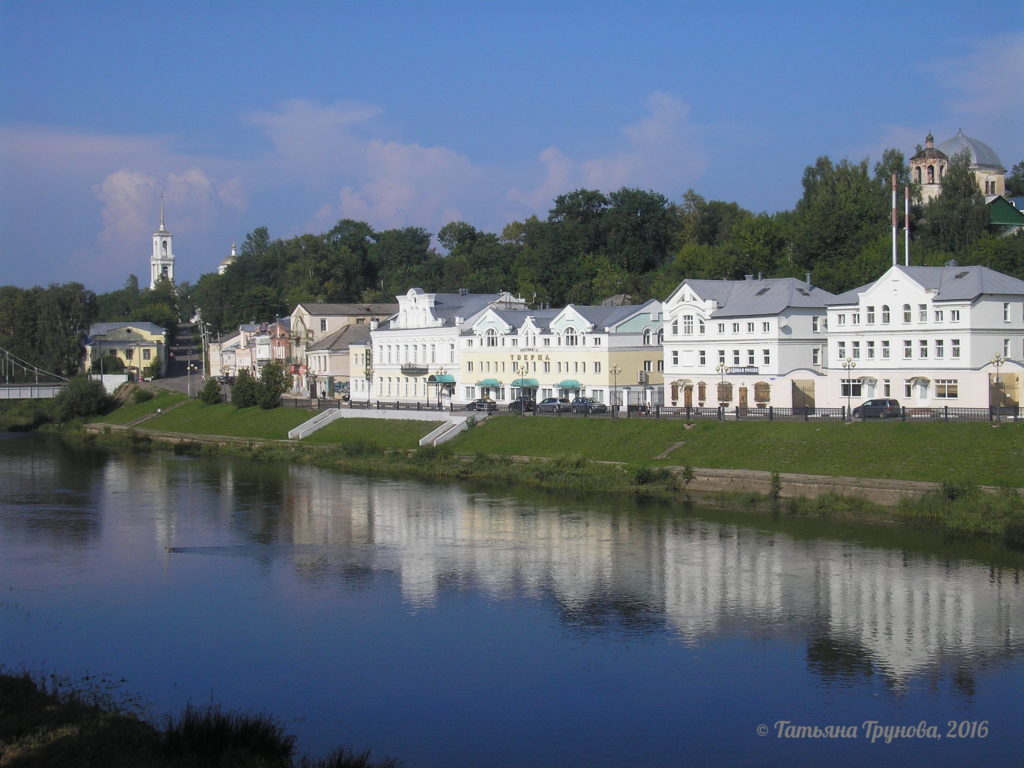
(132, 411)
(378, 433)
(225, 419)
(972, 453)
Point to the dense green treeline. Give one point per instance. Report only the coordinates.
(590, 246)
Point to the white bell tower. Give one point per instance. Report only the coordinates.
(161, 263)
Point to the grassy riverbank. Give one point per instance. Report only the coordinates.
(53, 723)
(573, 454)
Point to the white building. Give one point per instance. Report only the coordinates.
(929, 337)
(413, 356)
(741, 343)
(161, 261)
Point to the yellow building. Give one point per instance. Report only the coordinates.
(611, 354)
(136, 346)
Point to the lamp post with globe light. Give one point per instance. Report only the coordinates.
(849, 365)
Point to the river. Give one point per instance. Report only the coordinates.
(450, 627)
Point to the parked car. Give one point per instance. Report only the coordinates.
(522, 405)
(554, 405)
(588, 405)
(482, 404)
(882, 407)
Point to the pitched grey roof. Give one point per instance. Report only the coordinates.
(448, 306)
(516, 317)
(602, 317)
(950, 283)
(771, 296)
(102, 329)
(341, 338)
(349, 309)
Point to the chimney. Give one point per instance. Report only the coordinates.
(374, 322)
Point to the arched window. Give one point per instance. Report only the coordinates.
(675, 327)
(762, 391)
(647, 337)
(885, 314)
(917, 175)
(931, 174)
(906, 313)
(491, 338)
(570, 337)
(661, 336)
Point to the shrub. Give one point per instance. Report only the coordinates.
(274, 382)
(211, 735)
(245, 392)
(81, 397)
(141, 395)
(210, 393)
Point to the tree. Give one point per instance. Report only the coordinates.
(958, 217)
(210, 393)
(274, 382)
(245, 392)
(1015, 181)
(82, 397)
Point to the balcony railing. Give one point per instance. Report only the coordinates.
(413, 369)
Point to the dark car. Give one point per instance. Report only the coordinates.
(553, 405)
(588, 405)
(482, 404)
(522, 405)
(882, 407)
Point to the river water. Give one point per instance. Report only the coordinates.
(449, 627)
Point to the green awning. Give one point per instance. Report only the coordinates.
(489, 383)
(443, 378)
(525, 383)
(569, 384)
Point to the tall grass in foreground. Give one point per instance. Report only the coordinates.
(48, 722)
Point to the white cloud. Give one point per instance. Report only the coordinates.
(662, 151)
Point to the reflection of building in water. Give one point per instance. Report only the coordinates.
(131, 485)
(700, 577)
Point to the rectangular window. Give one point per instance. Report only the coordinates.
(946, 389)
(751, 359)
(687, 325)
(871, 315)
(856, 350)
(597, 367)
(908, 349)
(648, 366)
(735, 357)
(855, 318)
(323, 323)
(597, 341)
(597, 394)
(871, 350)
(721, 328)
(908, 389)
(547, 367)
(1006, 311)
(765, 327)
(1006, 347)
(470, 392)
(816, 324)
(841, 350)
(841, 318)
(547, 341)
(661, 365)
(703, 357)
(954, 348)
(938, 315)
(940, 349)
(146, 354)
(922, 349)
(750, 327)
(850, 387)
(700, 327)
(735, 327)
(675, 357)
(886, 388)
(721, 356)
(816, 356)
(954, 315)
(766, 356)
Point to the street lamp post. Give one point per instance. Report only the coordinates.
(720, 369)
(440, 382)
(188, 372)
(849, 365)
(614, 371)
(997, 361)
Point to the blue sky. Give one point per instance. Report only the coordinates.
(294, 115)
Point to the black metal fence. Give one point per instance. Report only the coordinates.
(945, 413)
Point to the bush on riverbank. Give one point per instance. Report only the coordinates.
(53, 724)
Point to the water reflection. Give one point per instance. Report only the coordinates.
(861, 611)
